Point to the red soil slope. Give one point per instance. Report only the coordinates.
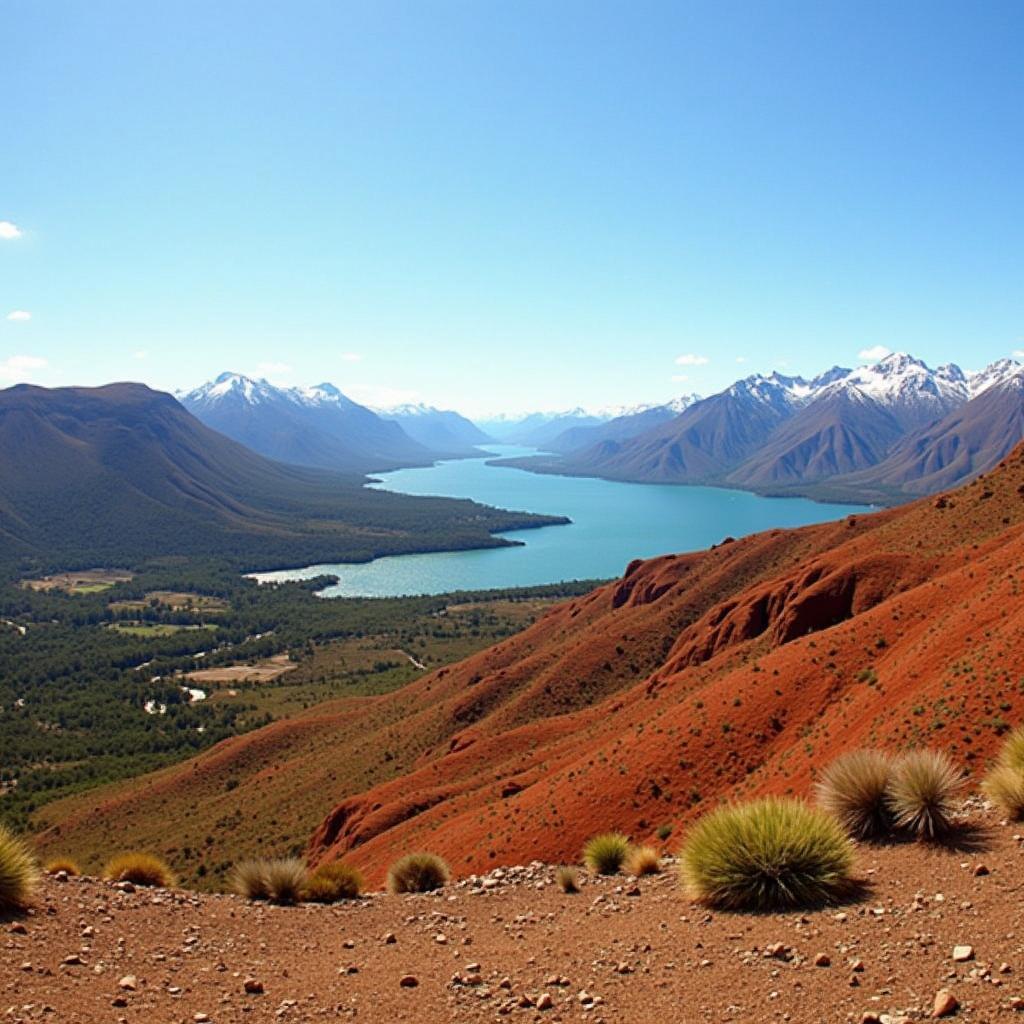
(738, 670)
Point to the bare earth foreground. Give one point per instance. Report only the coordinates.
(513, 946)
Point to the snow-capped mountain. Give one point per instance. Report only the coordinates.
(782, 433)
(441, 430)
(315, 426)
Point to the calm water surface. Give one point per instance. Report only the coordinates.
(612, 523)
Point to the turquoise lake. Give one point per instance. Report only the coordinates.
(612, 523)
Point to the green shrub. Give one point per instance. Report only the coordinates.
(771, 854)
(664, 831)
(139, 869)
(568, 880)
(642, 860)
(65, 864)
(923, 793)
(19, 873)
(333, 882)
(1004, 786)
(417, 872)
(854, 788)
(605, 854)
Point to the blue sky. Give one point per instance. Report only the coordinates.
(506, 205)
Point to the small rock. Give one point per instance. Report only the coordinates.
(545, 1002)
(129, 983)
(823, 960)
(408, 981)
(390, 939)
(945, 1004)
(201, 1018)
(252, 986)
(962, 954)
(980, 870)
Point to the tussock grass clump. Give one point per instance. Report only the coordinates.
(19, 873)
(642, 860)
(854, 788)
(771, 854)
(140, 869)
(923, 792)
(568, 880)
(281, 881)
(1012, 753)
(65, 864)
(285, 879)
(605, 854)
(333, 882)
(1004, 786)
(417, 872)
(248, 878)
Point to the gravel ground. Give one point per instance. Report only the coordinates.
(512, 946)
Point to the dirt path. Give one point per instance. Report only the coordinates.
(501, 949)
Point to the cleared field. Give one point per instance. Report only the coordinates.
(262, 672)
(87, 581)
(175, 600)
(153, 628)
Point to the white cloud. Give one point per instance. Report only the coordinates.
(1018, 353)
(140, 354)
(692, 359)
(679, 377)
(350, 357)
(16, 369)
(874, 353)
(741, 359)
(9, 230)
(19, 314)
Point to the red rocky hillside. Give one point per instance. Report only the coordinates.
(738, 670)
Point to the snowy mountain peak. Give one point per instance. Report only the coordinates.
(235, 385)
(903, 380)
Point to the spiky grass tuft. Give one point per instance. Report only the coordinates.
(1012, 753)
(417, 872)
(771, 854)
(853, 789)
(605, 854)
(285, 879)
(19, 873)
(568, 880)
(65, 864)
(248, 879)
(140, 869)
(1004, 786)
(333, 882)
(923, 793)
(642, 860)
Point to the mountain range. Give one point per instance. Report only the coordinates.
(881, 433)
(109, 475)
(323, 428)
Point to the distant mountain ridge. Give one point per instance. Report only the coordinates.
(318, 426)
(441, 430)
(825, 437)
(116, 474)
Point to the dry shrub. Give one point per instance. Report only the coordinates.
(1012, 753)
(1004, 786)
(642, 860)
(568, 880)
(333, 882)
(249, 879)
(65, 864)
(417, 872)
(19, 873)
(854, 788)
(605, 854)
(923, 793)
(139, 869)
(771, 854)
